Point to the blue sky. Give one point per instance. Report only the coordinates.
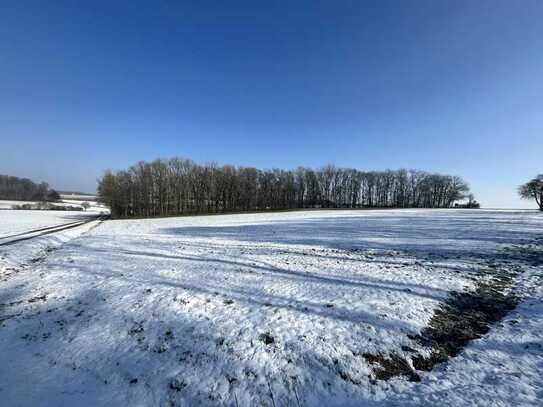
(447, 86)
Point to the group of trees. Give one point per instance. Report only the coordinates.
(533, 189)
(23, 189)
(179, 186)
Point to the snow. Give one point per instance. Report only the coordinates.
(80, 197)
(259, 309)
(94, 206)
(4, 204)
(18, 221)
(503, 368)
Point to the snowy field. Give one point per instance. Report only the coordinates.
(94, 206)
(4, 204)
(274, 309)
(19, 221)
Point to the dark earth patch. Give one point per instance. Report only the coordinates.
(462, 318)
(385, 368)
(465, 317)
(266, 338)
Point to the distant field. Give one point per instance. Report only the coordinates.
(9, 204)
(94, 206)
(17, 221)
(296, 308)
(75, 197)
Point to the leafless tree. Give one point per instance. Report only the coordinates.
(178, 186)
(23, 189)
(533, 189)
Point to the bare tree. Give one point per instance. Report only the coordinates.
(23, 189)
(177, 186)
(533, 189)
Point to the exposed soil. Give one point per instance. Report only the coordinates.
(386, 368)
(462, 318)
(266, 338)
(465, 317)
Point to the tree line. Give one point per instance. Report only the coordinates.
(23, 189)
(179, 186)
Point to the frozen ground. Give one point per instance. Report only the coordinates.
(19, 221)
(264, 309)
(94, 206)
(8, 204)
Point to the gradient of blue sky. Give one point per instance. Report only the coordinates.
(447, 86)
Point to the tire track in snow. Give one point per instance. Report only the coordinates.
(46, 231)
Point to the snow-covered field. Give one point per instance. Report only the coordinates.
(18, 221)
(78, 197)
(264, 309)
(4, 204)
(74, 201)
(94, 206)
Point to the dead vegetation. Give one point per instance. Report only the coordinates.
(463, 317)
(385, 368)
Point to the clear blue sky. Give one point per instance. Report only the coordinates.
(448, 86)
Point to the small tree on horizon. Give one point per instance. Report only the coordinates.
(533, 189)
